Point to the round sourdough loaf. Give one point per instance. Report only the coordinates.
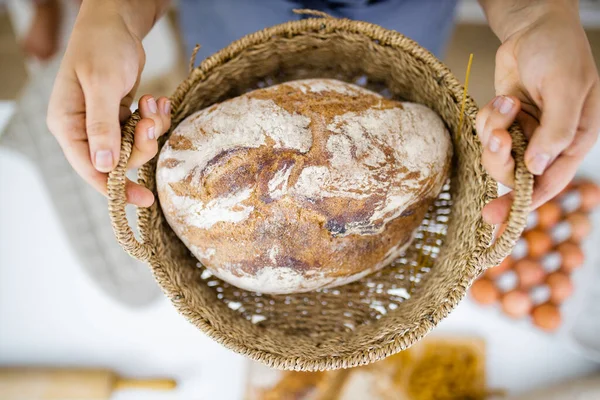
(303, 185)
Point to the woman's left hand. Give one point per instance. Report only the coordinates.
(545, 79)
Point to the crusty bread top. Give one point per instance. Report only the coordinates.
(302, 185)
(377, 156)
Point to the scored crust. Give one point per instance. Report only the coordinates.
(303, 185)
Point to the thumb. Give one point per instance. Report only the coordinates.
(102, 106)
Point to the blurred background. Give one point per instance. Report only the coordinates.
(71, 298)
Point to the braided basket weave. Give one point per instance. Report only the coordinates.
(385, 312)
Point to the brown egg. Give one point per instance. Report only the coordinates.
(538, 243)
(546, 316)
(516, 304)
(580, 226)
(571, 256)
(578, 181)
(548, 215)
(529, 272)
(499, 269)
(561, 287)
(484, 291)
(590, 195)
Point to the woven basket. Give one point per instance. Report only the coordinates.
(385, 312)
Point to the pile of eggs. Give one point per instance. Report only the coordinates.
(536, 278)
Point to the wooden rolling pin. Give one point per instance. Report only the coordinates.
(69, 384)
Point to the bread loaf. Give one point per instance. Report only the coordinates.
(303, 185)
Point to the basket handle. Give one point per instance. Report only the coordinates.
(313, 13)
(117, 199)
(517, 218)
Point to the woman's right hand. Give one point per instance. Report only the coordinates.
(94, 89)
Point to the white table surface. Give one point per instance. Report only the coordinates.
(52, 314)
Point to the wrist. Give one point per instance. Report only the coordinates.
(138, 15)
(506, 17)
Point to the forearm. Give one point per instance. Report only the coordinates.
(139, 15)
(506, 17)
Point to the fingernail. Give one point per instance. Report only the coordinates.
(152, 105)
(504, 104)
(151, 133)
(167, 108)
(497, 101)
(494, 144)
(104, 160)
(538, 163)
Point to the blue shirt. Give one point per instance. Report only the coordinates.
(215, 23)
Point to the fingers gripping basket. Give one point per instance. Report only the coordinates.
(386, 312)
